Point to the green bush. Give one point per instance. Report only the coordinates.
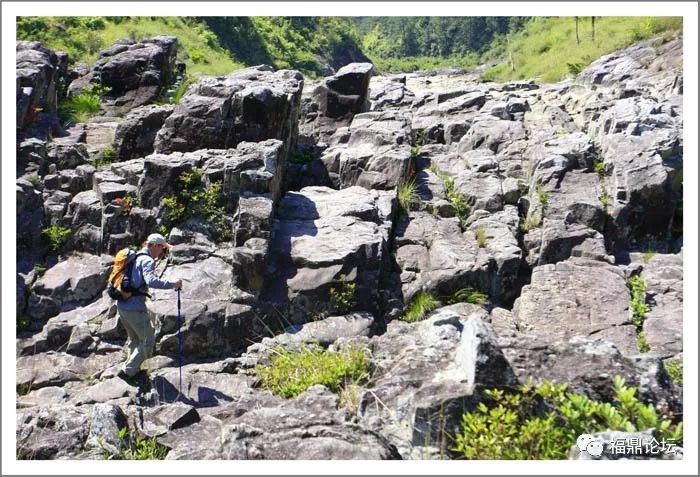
(468, 295)
(543, 196)
(57, 236)
(343, 298)
(575, 67)
(407, 195)
(422, 304)
(674, 368)
(194, 198)
(290, 373)
(517, 426)
(638, 304)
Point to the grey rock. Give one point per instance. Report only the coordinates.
(135, 135)
(52, 432)
(663, 326)
(426, 377)
(252, 105)
(105, 422)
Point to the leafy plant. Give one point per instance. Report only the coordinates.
(35, 181)
(407, 195)
(127, 203)
(517, 425)
(674, 368)
(57, 236)
(290, 373)
(82, 106)
(39, 270)
(194, 198)
(135, 447)
(343, 298)
(457, 200)
(468, 295)
(480, 235)
(301, 156)
(599, 165)
(642, 343)
(638, 304)
(186, 82)
(575, 67)
(422, 304)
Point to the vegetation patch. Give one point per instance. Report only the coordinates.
(422, 304)
(407, 194)
(480, 235)
(674, 368)
(290, 373)
(195, 198)
(343, 298)
(57, 236)
(519, 426)
(468, 295)
(82, 106)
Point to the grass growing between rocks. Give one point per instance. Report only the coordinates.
(290, 373)
(468, 295)
(517, 426)
(639, 309)
(135, 447)
(422, 304)
(81, 107)
(407, 195)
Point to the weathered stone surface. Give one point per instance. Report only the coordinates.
(663, 326)
(133, 72)
(322, 235)
(75, 281)
(38, 70)
(52, 432)
(253, 105)
(55, 368)
(377, 153)
(309, 427)
(105, 422)
(576, 297)
(427, 375)
(135, 135)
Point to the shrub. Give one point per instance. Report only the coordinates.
(407, 195)
(638, 304)
(57, 236)
(517, 426)
(674, 368)
(422, 304)
(343, 298)
(290, 373)
(480, 235)
(194, 198)
(34, 181)
(468, 295)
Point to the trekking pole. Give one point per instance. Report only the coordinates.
(179, 340)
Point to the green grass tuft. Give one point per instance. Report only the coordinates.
(422, 304)
(468, 295)
(290, 373)
(407, 195)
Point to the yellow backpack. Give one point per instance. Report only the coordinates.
(119, 282)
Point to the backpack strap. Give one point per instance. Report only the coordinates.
(130, 269)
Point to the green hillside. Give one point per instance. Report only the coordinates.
(526, 47)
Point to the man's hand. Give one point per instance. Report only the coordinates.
(178, 285)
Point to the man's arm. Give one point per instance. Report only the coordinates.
(150, 278)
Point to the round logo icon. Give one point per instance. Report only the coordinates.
(595, 448)
(583, 441)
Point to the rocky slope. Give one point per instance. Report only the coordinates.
(545, 198)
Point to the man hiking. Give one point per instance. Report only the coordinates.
(132, 309)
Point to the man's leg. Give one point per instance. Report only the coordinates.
(140, 323)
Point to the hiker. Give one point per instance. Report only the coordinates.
(133, 311)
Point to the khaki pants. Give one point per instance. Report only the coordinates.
(141, 338)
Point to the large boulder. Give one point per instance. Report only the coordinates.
(39, 71)
(310, 427)
(135, 135)
(133, 73)
(75, 281)
(577, 297)
(377, 153)
(253, 105)
(428, 374)
(52, 432)
(322, 235)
